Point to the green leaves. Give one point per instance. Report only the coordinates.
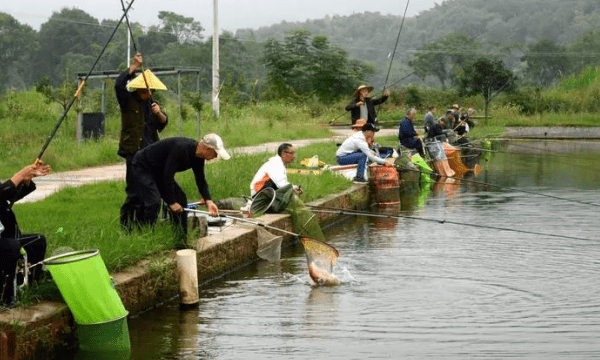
(301, 66)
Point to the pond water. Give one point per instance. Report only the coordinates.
(422, 289)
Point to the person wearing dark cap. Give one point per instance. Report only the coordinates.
(355, 150)
(141, 121)
(362, 106)
(153, 175)
(407, 135)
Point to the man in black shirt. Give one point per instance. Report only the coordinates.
(153, 175)
(12, 241)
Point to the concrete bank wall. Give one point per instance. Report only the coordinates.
(41, 330)
(552, 133)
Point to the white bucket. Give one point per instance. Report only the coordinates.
(188, 277)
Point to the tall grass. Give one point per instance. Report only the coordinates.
(26, 121)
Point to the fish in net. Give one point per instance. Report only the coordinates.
(321, 258)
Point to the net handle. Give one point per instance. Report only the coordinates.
(56, 260)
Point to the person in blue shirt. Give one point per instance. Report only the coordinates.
(407, 135)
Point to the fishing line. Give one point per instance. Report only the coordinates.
(371, 214)
(80, 87)
(546, 152)
(560, 158)
(505, 187)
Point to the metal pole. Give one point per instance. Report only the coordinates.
(104, 97)
(179, 99)
(198, 114)
(128, 47)
(215, 62)
(79, 119)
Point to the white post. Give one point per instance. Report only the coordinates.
(188, 276)
(215, 63)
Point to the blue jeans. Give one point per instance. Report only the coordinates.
(357, 157)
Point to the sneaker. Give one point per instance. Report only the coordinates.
(360, 180)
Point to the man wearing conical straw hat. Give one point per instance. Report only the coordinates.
(141, 121)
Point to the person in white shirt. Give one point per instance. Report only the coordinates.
(355, 150)
(273, 173)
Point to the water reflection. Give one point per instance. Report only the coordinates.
(421, 289)
(321, 311)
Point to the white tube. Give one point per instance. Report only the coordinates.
(188, 277)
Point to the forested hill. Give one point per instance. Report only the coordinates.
(539, 41)
(496, 24)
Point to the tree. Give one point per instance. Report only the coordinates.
(70, 31)
(185, 29)
(486, 77)
(303, 66)
(586, 50)
(61, 95)
(545, 61)
(16, 46)
(444, 58)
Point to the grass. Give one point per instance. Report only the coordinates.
(87, 217)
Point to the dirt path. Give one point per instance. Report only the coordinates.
(47, 185)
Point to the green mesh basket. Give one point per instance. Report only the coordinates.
(85, 285)
(110, 338)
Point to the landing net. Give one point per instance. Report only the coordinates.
(319, 253)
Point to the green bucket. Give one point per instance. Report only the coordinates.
(85, 285)
(110, 336)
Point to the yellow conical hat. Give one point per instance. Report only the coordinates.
(140, 83)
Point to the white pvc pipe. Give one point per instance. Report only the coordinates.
(188, 277)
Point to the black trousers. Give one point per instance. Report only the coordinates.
(131, 210)
(150, 191)
(34, 245)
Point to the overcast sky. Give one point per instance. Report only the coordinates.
(233, 14)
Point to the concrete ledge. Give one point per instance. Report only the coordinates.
(552, 132)
(42, 328)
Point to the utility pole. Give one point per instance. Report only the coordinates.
(215, 62)
(128, 46)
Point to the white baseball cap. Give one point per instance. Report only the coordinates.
(214, 141)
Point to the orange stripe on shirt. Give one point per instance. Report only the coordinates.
(261, 183)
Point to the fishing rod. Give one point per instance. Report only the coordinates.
(254, 222)
(389, 216)
(136, 51)
(396, 45)
(402, 79)
(79, 88)
(504, 187)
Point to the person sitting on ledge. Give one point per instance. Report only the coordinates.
(355, 150)
(273, 173)
(12, 241)
(407, 135)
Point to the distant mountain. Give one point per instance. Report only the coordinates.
(496, 24)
